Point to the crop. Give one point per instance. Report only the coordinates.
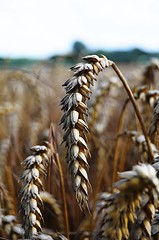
(92, 168)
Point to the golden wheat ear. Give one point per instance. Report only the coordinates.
(74, 106)
(120, 208)
(35, 166)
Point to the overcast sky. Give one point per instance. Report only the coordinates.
(42, 28)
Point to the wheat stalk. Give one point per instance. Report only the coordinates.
(74, 123)
(35, 166)
(120, 207)
(132, 99)
(74, 105)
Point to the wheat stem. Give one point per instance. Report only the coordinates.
(116, 155)
(132, 99)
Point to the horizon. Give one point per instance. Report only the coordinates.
(71, 52)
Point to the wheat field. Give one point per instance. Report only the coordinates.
(79, 150)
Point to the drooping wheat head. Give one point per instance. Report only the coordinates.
(74, 105)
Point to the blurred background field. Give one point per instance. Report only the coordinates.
(31, 91)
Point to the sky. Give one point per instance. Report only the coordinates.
(42, 28)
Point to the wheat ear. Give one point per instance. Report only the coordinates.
(144, 216)
(120, 208)
(149, 73)
(153, 129)
(35, 166)
(10, 227)
(74, 105)
(139, 140)
(149, 96)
